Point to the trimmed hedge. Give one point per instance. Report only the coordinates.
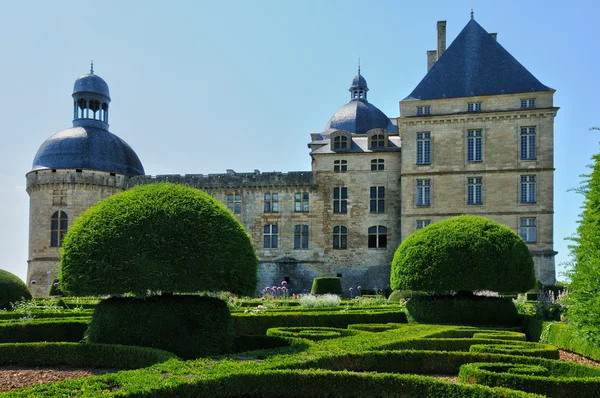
(567, 337)
(62, 329)
(475, 310)
(157, 237)
(12, 289)
(76, 354)
(552, 381)
(465, 253)
(189, 326)
(373, 327)
(501, 335)
(314, 333)
(41, 314)
(519, 348)
(398, 295)
(258, 324)
(326, 285)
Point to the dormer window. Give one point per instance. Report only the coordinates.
(377, 139)
(340, 141)
(528, 103)
(474, 107)
(424, 110)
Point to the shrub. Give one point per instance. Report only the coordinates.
(314, 333)
(399, 295)
(12, 289)
(475, 310)
(324, 301)
(64, 329)
(465, 253)
(189, 326)
(518, 348)
(158, 237)
(326, 285)
(569, 338)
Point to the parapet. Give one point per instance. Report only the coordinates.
(75, 176)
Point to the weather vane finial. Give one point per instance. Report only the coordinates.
(92, 67)
(359, 65)
(472, 14)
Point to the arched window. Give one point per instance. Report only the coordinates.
(58, 228)
(340, 237)
(377, 237)
(340, 142)
(377, 141)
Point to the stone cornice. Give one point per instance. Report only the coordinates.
(474, 172)
(475, 117)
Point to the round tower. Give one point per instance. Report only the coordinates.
(73, 170)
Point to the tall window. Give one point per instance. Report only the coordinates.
(377, 165)
(340, 166)
(423, 148)
(377, 204)
(528, 189)
(301, 237)
(340, 237)
(340, 142)
(422, 223)
(528, 143)
(340, 200)
(234, 202)
(474, 107)
(528, 103)
(59, 224)
(528, 229)
(271, 203)
(270, 236)
(423, 110)
(423, 192)
(474, 145)
(301, 202)
(474, 191)
(377, 237)
(377, 141)
(59, 197)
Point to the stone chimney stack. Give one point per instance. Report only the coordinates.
(431, 58)
(441, 38)
(494, 36)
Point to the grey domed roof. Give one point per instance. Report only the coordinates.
(91, 83)
(359, 116)
(88, 147)
(358, 81)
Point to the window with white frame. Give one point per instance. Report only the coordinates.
(422, 223)
(528, 151)
(424, 192)
(474, 191)
(424, 148)
(271, 202)
(301, 237)
(423, 110)
(340, 166)
(234, 202)
(528, 194)
(301, 202)
(528, 103)
(340, 200)
(474, 145)
(528, 229)
(377, 165)
(59, 223)
(474, 106)
(340, 237)
(270, 236)
(377, 199)
(377, 237)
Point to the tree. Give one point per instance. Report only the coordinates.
(12, 289)
(584, 289)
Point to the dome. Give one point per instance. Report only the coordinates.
(90, 83)
(358, 81)
(359, 116)
(87, 147)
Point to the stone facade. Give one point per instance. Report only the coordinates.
(365, 192)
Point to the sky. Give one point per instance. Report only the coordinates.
(201, 87)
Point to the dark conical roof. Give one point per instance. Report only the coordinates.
(475, 64)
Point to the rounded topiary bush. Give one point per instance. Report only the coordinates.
(398, 295)
(157, 237)
(12, 289)
(187, 325)
(465, 253)
(326, 285)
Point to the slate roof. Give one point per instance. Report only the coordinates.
(90, 83)
(358, 116)
(361, 145)
(475, 64)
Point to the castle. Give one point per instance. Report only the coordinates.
(474, 137)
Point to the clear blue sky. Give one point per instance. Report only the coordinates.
(200, 87)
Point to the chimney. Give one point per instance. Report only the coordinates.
(441, 38)
(494, 36)
(431, 58)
